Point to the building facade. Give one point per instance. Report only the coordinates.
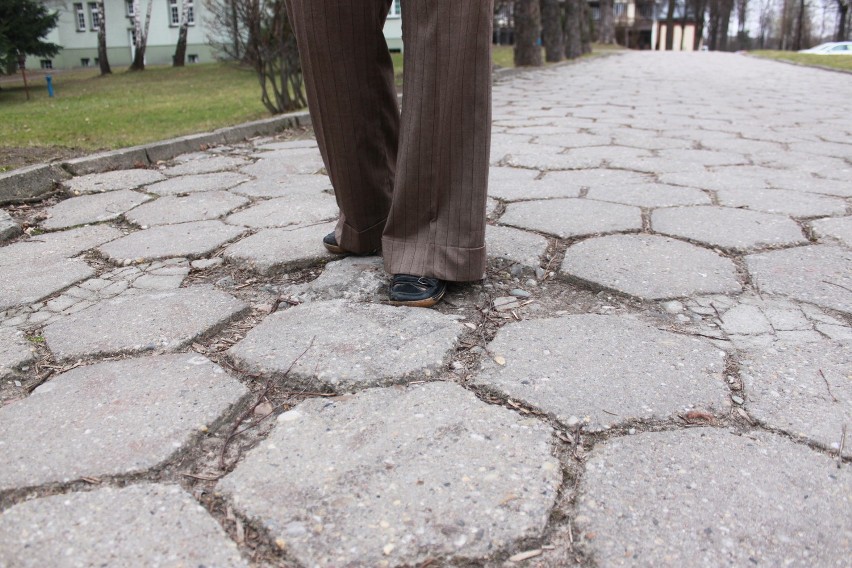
(77, 33)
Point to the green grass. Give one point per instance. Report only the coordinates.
(126, 109)
(843, 62)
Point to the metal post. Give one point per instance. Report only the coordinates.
(49, 80)
(22, 61)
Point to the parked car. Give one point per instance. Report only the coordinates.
(831, 48)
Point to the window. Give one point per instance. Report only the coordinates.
(47, 64)
(84, 62)
(129, 8)
(80, 17)
(93, 15)
(174, 12)
(192, 58)
(396, 9)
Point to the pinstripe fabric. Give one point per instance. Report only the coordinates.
(416, 184)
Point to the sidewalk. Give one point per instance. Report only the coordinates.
(657, 370)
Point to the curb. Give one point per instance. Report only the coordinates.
(35, 182)
(797, 64)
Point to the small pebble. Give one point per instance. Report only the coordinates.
(738, 400)
(531, 283)
(540, 273)
(572, 421)
(673, 307)
(518, 293)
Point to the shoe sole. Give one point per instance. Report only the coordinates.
(425, 303)
(335, 249)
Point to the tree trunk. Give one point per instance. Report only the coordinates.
(103, 61)
(552, 35)
(179, 59)
(842, 20)
(586, 31)
(235, 30)
(699, 7)
(670, 26)
(725, 20)
(607, 31)
(527, 33)
(140, 36)
(573, 41)
(713, 25)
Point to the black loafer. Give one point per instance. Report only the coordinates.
(416, 291)
(330, 243)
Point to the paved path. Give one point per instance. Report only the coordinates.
(657, 370)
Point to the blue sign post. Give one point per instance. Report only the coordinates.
(49, 80)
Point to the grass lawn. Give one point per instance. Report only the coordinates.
(843, 62)
(90, 112)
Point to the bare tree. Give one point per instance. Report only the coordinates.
(670, 12)
(179, 59)
(842, 33)
(140, 35)
(527, 33)
(586, 29)
(103, 60)
(552, 34)
(765, 21)
(225, 34)
(607, 29)
(742, 19)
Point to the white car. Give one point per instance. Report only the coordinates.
(831, 48)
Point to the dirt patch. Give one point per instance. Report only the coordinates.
(13, 157)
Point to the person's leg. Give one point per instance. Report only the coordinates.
(436, 226)
(353, 104)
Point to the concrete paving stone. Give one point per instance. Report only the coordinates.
(287, 145)
(106, 527)
(839, 228)
(354, 278)
(611, 370)
(9, 228)
(394, 477)
(543, 161)
(156, 321)
(562, 139)
(722, 179)
(641, 139)
(189, 240)
(525, 249)
(219, 181)
(206, 165)
(181, 209)
(112, 181)
(786, 318)
(566, 218)
(93, 208)
(803, 389)
(785, 202)
(29, 182)
(707, 158)
(113, 418)
(154, 282)
(745, 320)
(280, 163)
(273, 250)
(836, 332)
(27, 282)
(513, 183)
(15, 352)
(286, 185)
(743, 230)
(354, 345)
(650, 195)
(799, 336)
(708, 497)
(818, 274)
(305, 209)
(650, 267)
(801, 181)
(59, 245)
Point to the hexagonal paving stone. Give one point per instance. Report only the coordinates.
(161, 321)
(354, 345)
(112, 181)
(609, 369)
(106, 527)
(190, 240)
(283, 186)
(786, 202)
(802, 389)
(273, 250)
(394, 477)
(650, 267)
(650, 195)
(15, 351)
(819, 274)
(354, 278)
(206, 165)
(839, 228)
(112, 418)
(735, 229)
(201, 182)
(202, 206)
(515, 183)
(298, 209)
(707, 497)
(92, 208)
(525, 249)
(572, 217)
(280, 163)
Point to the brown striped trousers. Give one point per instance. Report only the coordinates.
(415, 184)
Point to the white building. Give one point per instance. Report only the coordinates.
(77, 33)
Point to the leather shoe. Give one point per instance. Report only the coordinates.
(330, 243)
(416, 291)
